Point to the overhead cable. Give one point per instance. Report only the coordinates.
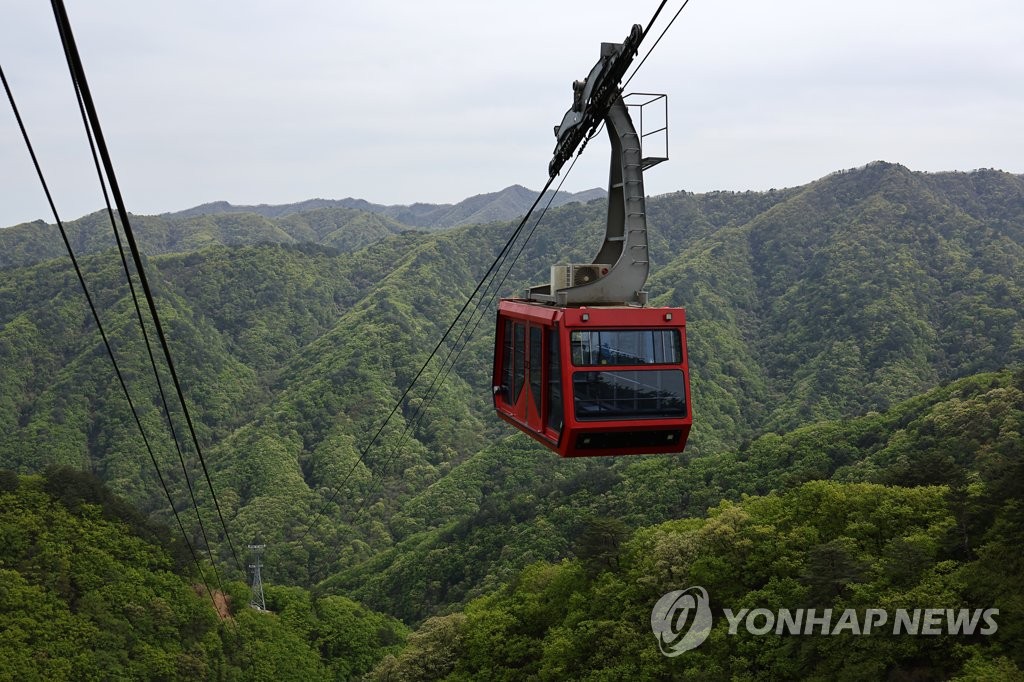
(103, 334)
(498, 261)
(423, 367)
(82, 87)
(142, 325)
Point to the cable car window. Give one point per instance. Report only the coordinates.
(629, 394)
(554, 396)
(592, 348)
(519, 361)
(506, 363)
(536, 364)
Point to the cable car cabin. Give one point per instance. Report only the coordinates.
(582, 364)
(589, 381)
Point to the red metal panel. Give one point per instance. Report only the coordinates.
(594, 438)
(623, 317)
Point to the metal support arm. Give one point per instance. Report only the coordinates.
(625, 242)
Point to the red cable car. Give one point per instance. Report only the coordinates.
(588, 381)
(582, 364)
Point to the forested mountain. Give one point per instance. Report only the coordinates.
(344, 229)
(810, 309)
(923, 508)
(508, 204)
(927, 512)
(91, 590)
(346, 225)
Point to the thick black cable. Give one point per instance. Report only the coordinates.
(142, 325)
(672, 21)
(508, 271)
(429, 395)
(653, 19)
(398, 404)
(103, 334)
(501, 256)
(417, 419)
(71, 50)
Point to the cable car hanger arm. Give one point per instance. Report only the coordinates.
(618, 273)
(593, 96)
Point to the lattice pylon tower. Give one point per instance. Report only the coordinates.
(257, 602)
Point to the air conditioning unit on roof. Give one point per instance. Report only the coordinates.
(576, 274)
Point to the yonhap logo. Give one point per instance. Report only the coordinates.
(681, 620)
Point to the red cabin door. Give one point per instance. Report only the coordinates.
(534, 412)
(521, 378)
(517, 386)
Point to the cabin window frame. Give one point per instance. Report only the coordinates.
(612, 347)
(555, 417)
(518, 360)
(670, 399)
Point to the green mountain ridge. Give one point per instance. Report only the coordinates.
(805, 306)
(480, 530)
(505, 204)
(343, 229)
(923, 509)
(346, 225)
(800, 541)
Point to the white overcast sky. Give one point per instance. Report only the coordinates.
(399, 102)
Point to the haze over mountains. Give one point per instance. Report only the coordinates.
(296, 331)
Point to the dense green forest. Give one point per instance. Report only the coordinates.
(855, 345)
(924, 506)
(92, 590)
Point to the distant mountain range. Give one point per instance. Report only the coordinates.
(344, 224)
(506, 204)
